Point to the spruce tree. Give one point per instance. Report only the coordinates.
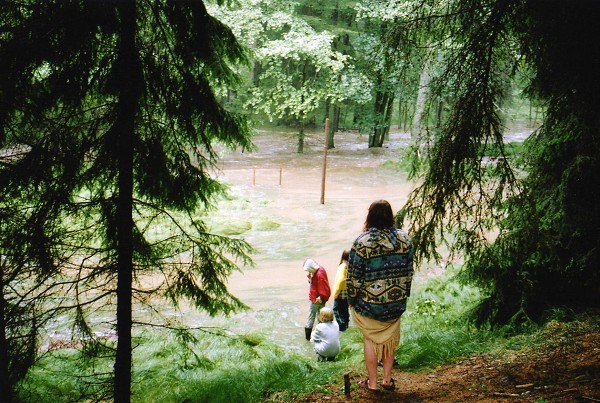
(110, 115)
(529, 229)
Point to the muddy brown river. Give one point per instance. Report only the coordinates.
(276, 199)
(273, 184)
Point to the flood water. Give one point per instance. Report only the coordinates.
(276, 184)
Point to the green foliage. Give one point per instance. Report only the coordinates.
(435, 328)
(429, 307)
(108, 122)
(495, 150)
(216, 368)
(528, 226)
(300, 66)
(51, 379)
(303, 71)
(545, 255)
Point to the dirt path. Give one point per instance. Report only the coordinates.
(569, 371)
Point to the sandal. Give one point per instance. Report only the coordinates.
(364, 384)
(389, 386)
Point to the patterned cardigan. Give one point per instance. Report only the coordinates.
(380, 272)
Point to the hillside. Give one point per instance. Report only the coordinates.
(564, 368)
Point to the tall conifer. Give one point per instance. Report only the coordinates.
(108, 121)
(528, 229)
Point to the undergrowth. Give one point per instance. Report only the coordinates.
(252, 368)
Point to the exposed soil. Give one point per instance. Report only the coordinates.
(566, 368)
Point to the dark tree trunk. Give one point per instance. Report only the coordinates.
(327, 115)
(383, 113)
(128, 76)
(333, 127)
(403, 116)
(5, 386)
(301, 137)
(439, 113)
(256, 70)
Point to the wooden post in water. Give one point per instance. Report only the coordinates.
(280, 171)
(324, 161)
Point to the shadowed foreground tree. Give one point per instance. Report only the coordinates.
(113, 104)
(18, 298)
(530, 234)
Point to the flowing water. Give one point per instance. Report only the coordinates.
(275, 197)
(275, 184)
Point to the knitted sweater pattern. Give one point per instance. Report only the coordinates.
(380, 273)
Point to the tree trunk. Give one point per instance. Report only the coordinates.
(439, 113)
(128, 76)
(256, 70)
(404, 115)
(378, 106)
(383, 115)
(388, 117)
(327, 116)
(422, 95)
(333, 127)
(400, 115)
(5, 386)
(301, 137)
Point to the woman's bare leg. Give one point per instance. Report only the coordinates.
(388, 363)
(371, 362)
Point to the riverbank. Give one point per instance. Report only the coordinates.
(563, 366)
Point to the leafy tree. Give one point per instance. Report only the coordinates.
(529, 233)
(297, 69)
(114, 104)
(338, 18)
(387, 68)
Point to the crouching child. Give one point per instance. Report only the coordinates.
(325, 337)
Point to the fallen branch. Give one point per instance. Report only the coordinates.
(502, 394)
(562, 392)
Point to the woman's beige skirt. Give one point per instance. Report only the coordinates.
(385, 336)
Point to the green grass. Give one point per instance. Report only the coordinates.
(250, 367)
(511, 149)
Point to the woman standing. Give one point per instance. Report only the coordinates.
(380, 270)
(340, 293)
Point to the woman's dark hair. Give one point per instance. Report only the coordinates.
(380, 215)
(345, 256)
